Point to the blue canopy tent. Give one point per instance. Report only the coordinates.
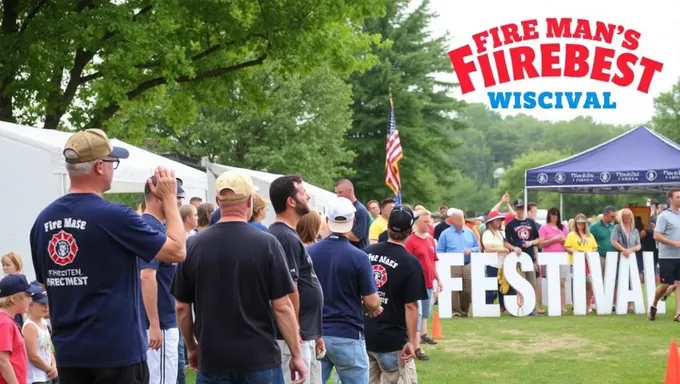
(639, 161)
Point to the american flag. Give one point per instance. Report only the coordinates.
(392, 157)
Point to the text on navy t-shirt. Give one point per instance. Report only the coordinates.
(345, 275)
(85, 251)
(165, 273)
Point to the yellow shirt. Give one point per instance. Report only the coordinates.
(379, 226)
(574, 242)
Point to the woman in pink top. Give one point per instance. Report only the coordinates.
(552, 236)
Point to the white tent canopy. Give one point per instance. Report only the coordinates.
(34, 174)
(319, 197)
(130, 176)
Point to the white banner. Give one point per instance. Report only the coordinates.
(629, 288)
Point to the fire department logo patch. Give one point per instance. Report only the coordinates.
(380, 275)
(62, 248)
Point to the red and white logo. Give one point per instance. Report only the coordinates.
(523, 232)
(62, 248)
(380, 275)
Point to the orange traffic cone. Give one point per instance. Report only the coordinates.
(673, 367)
(437, 331)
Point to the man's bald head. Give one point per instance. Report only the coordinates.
(345, 188)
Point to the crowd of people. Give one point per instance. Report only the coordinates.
(134, 297)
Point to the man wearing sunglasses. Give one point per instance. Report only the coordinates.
(85, 252)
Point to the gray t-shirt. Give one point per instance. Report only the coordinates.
(668, 224)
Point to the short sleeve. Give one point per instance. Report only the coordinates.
(37, 264)
(415, 288)
(374, 231)
(441, 245)
(280, 281)
(128, 229)
(661, 224)
(360, 228)
(535, 230)
(215, 217)
(593, 242)
(153, 264)
(542, 232)
(616, 234)
(184, 284)
(509, 234)
(571, 240)
(291, 256)
(410, 247)
(434, 246)
(366, 279)
(487, 239)
(7, 329)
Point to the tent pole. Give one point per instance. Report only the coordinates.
(561, 204)
(526, 194)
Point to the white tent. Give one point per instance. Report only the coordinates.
(319, 197)
(34, 174)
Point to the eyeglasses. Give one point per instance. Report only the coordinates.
(115, 162)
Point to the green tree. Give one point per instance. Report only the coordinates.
(299, 129)
(422, 107)
(666, 118)
(88, 60)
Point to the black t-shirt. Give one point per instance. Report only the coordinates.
(399, 279)
(383, 237)
(302, 271)
(231, 274)
(518, 231)
(439, 228)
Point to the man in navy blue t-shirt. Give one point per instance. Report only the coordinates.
(158, 305)
(359, 234)
(346, 279)
(85, 251)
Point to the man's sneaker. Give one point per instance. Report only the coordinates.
(677, 318)
(420, 355)
(652, 313)
(427, 339)
(532, 313)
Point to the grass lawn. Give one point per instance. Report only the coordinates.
(542, 349)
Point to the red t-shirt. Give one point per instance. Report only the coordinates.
(12, 341)
(426, 252)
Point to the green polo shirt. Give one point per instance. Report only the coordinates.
(603, 235)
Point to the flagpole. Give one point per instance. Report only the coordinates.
(397, 197)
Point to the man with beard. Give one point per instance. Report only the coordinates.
(290, 202)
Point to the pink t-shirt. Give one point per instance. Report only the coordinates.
(547, 232)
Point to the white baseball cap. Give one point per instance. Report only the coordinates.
(341, 215)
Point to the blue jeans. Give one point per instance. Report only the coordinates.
(348, 356)
(424, 308)
(181, 362)
(274, 375)
(491, 295)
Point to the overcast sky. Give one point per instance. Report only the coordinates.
(659, 26)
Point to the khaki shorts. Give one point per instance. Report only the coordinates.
(388, 368)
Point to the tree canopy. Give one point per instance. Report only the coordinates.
(84, 60)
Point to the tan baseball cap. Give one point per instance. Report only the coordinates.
(89, 145)
(237, 182)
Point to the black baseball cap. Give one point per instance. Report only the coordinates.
(15, 283)
(401, 219)
(180, 190)
(518, 203)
